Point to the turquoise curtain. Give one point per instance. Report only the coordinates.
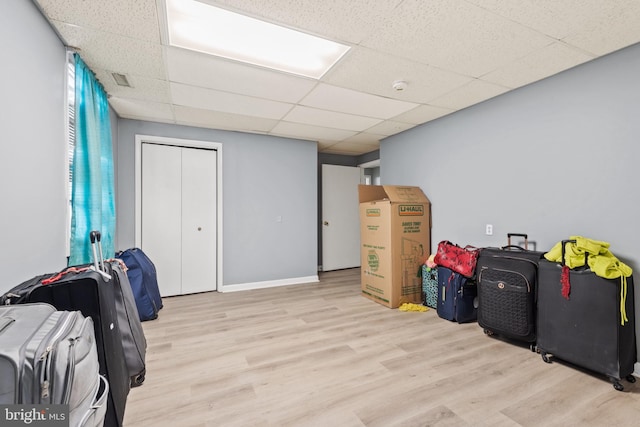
(92, 194)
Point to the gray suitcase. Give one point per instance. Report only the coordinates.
(50, 357)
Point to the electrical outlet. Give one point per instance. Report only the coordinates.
(489, 230)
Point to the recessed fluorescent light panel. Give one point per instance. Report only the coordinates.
(198, 26)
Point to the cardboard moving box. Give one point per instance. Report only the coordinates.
(395, 238)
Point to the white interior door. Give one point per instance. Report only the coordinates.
(340, 217)
(178, 220)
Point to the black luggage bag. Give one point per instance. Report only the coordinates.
(89, 292)
(586, 329)
(507, 281)
(134, 342)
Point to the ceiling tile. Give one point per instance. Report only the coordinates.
(615, 29)
(325, 144)
(542, 63)
(596, 26)
(358, 144)
(454, 35)
(452, 54)
(113, 52)
(198, 69)
(141, 87)
(313, 133)
(209, 99)
(472, 93)
(135, 19)
(389, 127)
(330, 119)
(349, 101)
(218, 120)
(327, 147)
(143, 110)
(555, 18)
(347, 21)
(374, 72)
(423, 114)
(366, 138)
(356, 148)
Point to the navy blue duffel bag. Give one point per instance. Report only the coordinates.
(144, 282)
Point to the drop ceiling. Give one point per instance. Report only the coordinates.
(451, 53)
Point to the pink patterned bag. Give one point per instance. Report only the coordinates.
(461, 260)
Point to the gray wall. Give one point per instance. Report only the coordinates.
(263, 177)
(553, 159)
(556, 158)
(33, 147)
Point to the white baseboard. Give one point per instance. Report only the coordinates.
(636, 369)
(269, 284)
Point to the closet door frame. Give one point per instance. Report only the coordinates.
(188, 143)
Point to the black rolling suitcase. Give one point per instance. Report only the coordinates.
(507, 280)
(587, 329)
(91, 291)
(134, 341)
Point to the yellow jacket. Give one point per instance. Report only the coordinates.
(600, 260)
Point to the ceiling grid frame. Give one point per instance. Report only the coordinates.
(452, 54)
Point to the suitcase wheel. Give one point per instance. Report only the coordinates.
(545, 357)
(137, 380)
(616, 384)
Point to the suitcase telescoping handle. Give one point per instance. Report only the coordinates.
(93, 236)
(510, 246)
(100, 256)
(564, 244)
(98, 260)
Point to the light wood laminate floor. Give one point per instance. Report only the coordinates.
(322, 355)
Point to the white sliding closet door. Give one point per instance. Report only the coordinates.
(198, 220)
(178, 227)
(161, 213)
